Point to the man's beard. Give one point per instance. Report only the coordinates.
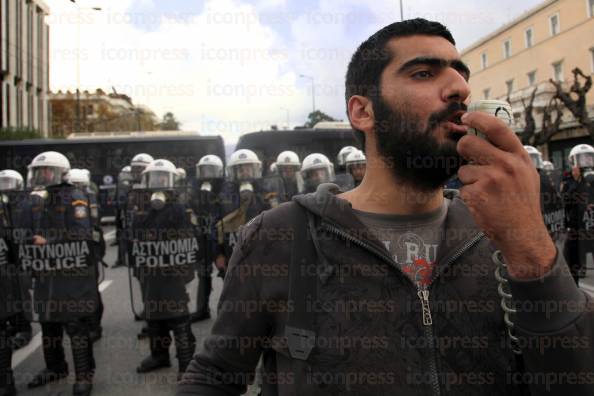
(414, 155)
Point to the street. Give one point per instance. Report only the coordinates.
(119, 351)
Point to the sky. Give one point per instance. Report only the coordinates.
(230, 67)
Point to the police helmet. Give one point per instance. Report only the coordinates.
(317, 169)
(181, 174)
(535, 156)
(273, 169)
(11, 180)
(79, 177)
(548, 166)
(210, 167)
(343, 153)
(159, 174)
(582, 156)
(125, 175)
(47, 169)
(138, 163)
(244, 165)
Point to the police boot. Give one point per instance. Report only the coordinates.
(6, 378)
(185, 345)
(82, 355)
(159, 341)
(204, 290)
(53, 354)
(24, 333)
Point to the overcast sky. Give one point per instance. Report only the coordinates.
(232, 66)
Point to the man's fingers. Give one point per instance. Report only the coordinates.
(479, 151)
(469, 174)
(495, 129)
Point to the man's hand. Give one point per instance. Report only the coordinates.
(502, 191)
(39, 240)
(221, 262)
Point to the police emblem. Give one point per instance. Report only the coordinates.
(80, 212)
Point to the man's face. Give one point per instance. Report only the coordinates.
(287, 172)
(318, 176)
(423, 93)
(357, 171)
(245, 172)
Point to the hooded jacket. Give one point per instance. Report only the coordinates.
(375, 332)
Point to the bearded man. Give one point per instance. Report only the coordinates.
(392, 288)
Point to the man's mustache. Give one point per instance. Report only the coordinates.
(446, 113)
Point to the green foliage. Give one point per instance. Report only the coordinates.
(317, 116)
(19, 134)
(169, 123)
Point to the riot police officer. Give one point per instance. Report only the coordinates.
(342, 178)
(288, 165)
(137, 165)
(180, 179)
(80, 178)
(9, 290)
(206, 203)
(551, 203)
(11, 187)
(124, 184)
(355, 165)
(243, 198)
(164, 253)
(578, 196)
(315, 170)
(61, 262)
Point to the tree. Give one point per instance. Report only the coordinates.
(550, 125)
(317, 116)
(575, 98)
(169, 122)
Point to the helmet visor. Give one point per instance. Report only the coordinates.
(288, 172)
(158, 179)
(209, 172)
(536, 160)
(585, 160)
(314, 177)
(43, 176)
(9, 183)
(246, 172)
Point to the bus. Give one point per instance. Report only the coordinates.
(269, 144)
(105, 154)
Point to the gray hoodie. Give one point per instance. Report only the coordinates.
(370, 333)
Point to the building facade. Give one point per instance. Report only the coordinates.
(97, 112)
(24, 69)
(546, 42)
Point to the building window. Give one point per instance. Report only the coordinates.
(554, 24)
(510, 86)
(507, 49)
(592, 58)
(590, 4)
(532, 78)
(486, 93)
(6, 26)
(558, 71)
(484, 62)
(529, 37)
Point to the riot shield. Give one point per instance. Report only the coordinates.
(585, 233)
(551, 207)
(9, 289)
(163, 255)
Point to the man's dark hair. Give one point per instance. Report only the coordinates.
(372, 57)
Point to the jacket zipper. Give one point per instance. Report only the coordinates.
(422, 293)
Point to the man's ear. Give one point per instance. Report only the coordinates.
(361, 113)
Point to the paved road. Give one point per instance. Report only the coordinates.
(119, 351)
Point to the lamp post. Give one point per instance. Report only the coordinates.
(313, 92)
(401, 12)
(78, 9)
(287, 114)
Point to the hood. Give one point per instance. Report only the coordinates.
(459, 224)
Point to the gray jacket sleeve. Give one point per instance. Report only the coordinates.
(226, 363)
(555, 324)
